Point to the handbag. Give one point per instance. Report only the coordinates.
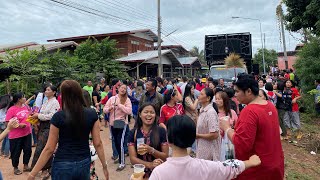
(118, 123)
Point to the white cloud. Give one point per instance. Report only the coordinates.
(25, 22)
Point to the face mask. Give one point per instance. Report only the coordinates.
(169, 86)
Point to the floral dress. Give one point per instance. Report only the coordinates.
(208, 123)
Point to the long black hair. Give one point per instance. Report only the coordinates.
(155, 138)
(5, 101)
(187, 93)
(168, 95)
(209, 93)
(15, 98)
(72, 105)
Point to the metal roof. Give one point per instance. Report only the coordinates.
(37, 47)
(190, 61)
(174, 47)
(150, 57)
(5, 47)
(146, 31)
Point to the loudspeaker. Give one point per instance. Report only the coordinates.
(255, 69)
(217, 47)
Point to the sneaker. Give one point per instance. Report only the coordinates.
(121, 167)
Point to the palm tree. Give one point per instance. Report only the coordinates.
(234, 61)
(197, 53)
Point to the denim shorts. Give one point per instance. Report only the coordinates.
(71, 170)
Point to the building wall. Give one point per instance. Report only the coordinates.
(122, 41)
(128, 43)
(291, 61)
(136, 44)
(143, 36)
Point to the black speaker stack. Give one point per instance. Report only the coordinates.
(218, 47)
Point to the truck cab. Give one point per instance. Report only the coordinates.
(227, 74)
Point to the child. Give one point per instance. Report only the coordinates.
(291, 117)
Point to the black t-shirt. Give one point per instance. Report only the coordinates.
(70, 148)
(280, 102)
(287, 99)
(96, 93)
(102, 87)
(147, 139)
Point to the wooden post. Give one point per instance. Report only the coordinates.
(138, 70)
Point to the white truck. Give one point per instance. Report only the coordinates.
(227, 74)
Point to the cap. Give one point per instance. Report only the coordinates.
(203, 80)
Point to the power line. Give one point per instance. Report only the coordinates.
(98, 12)
(127, 23)
(143, 12)
(125, 9)
(72, 4)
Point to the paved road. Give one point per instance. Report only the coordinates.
(7, 170)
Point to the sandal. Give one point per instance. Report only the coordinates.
(27, 169)
(17, 171)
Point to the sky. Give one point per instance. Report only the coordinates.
(184, 22)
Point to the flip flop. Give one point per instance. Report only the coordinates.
(17, 171)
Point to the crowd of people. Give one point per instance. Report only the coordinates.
(224, 130)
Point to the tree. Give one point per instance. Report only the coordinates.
(58, 66)
(25, 76)
(307, 68)
(95, 56)
(270, 58)
(197, 53)
(303, 15)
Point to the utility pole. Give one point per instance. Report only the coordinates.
(159, 42)
(264, 48)
(263, 60)
(284, 42)
(262, 45)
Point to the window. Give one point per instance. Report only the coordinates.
(135, 42)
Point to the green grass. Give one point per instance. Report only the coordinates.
(297, 175)
(309, 123)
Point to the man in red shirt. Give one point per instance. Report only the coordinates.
(256, 132)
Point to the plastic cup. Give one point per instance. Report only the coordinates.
(138, 168)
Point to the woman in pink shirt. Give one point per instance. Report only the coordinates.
(20, 138)
(224, 109)
(181, 135)
(119, 107)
